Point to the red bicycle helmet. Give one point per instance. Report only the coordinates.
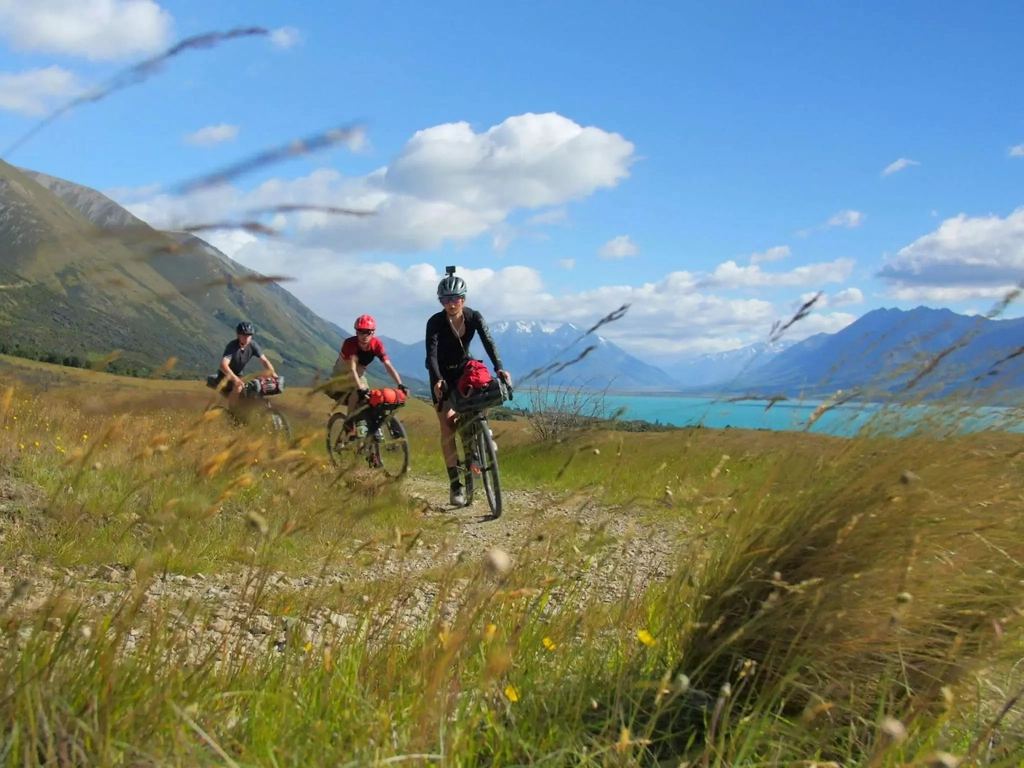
(365, 323)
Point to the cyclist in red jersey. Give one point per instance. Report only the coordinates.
(357, 352)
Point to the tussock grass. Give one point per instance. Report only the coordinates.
(182, 591)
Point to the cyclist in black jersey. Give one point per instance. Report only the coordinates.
(449, 334)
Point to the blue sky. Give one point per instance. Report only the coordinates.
(728, 130)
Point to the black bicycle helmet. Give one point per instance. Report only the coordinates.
(451, 285)
(244, 328)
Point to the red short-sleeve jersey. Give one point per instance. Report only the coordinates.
(350, 348)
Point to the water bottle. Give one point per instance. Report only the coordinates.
(361, 429)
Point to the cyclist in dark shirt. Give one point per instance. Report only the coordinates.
(449, 333)
(237, 355)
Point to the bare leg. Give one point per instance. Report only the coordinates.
(445, 418)
(353, 399)
(233, 396)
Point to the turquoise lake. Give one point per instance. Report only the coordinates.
(842, 421)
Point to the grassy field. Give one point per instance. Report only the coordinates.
(175, 590)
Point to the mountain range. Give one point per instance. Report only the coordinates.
(930, 351)
(81, 276)
(528, 345)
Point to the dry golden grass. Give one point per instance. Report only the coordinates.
(825, 584)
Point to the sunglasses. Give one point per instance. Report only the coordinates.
(365, 333)
(451, 299)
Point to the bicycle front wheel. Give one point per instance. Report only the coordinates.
(278, 422)
(469, 468)
(489, 468)
(392, 450)
(337, 436)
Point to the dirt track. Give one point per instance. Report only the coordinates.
(406, 582)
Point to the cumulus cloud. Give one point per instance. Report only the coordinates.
(730, 275)
(680, 312)
(898, 165)
(620, 247)
(949, 294)
(847, 218)
(285, 37)
(450, 184)
(668, 315)
(848, 297)
(1017, 151)
(772, 254)
(966, 257)
(211, 135)
(554, 216)
(37, 91)
(97, 30)
(447, 184)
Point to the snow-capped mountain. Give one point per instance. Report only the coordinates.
(526, 345)
(715, 368)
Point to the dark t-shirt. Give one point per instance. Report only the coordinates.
(240, 357)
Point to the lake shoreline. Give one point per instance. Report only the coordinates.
(646, 412)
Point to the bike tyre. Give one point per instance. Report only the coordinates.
(331, 452)
(489, 471)
(468, 460)
(397, 431)
(279, 422)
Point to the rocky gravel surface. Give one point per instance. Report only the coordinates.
(597, 553)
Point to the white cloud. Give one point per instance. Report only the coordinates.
(37, 91)
(1017, 151)
(451, 184)
(821, 303)
(554, 216)
(848, 297)
(212, 135)
(93, 29)
(447, 184)
(680, 312)
(949, 294)
(772, 254)
(730, 275)
(620, 247)
(127, 195)
(966, 257)
(898, 166)
(285, 37)
(847, 218)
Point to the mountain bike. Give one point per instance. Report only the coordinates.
(252, 400)
(479, 453)
(373, 431)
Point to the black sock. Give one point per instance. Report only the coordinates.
(453, 476)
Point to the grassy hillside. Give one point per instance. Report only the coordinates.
(176, 590)
(78, 290)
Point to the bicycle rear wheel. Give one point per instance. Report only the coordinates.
(489, 468)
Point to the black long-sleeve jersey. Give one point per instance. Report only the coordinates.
(445, 353)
